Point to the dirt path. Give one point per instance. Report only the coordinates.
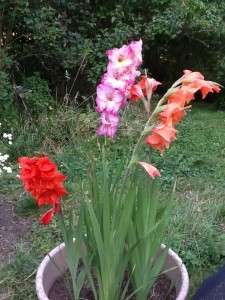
(12, 230)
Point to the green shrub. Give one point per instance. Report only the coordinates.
(8, 111)
(36, 96)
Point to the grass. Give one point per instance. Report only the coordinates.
(197, 161)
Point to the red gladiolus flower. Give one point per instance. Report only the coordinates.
(136, 92)
(141, 89)
(43, 181)
(150, 169)
(148, 84)
(47, 217)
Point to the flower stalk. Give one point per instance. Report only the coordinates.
(150, 123)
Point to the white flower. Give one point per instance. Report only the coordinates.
(7, 169)
(7, 136)
(3, 158)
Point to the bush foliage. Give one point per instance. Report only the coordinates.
(52, 37)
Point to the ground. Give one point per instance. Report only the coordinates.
(12, 230)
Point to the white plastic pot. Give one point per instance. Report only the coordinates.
(47, 272)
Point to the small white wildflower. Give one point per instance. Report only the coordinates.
(5, 135)
(10, 136)
(7, 169)
(3, 158)
(10, 142)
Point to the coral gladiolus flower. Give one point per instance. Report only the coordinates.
(183, 96)
(161, 137)
(157, 142)
(204, 86)
(172, 114)
(165, 131)
(151, 170)
(189, 75)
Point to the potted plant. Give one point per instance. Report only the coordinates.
(121, 227)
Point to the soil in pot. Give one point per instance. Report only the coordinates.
(161, 290)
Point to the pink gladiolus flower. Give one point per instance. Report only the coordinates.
(120, 59)
(150, 169)
(136, 47)
(109, 124)
(114, 88)
(117, 80)
(108, 99)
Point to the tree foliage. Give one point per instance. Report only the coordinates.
(50, 37)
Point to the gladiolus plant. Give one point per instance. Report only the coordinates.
(119, 223)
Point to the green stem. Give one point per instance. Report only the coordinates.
(149, 126)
